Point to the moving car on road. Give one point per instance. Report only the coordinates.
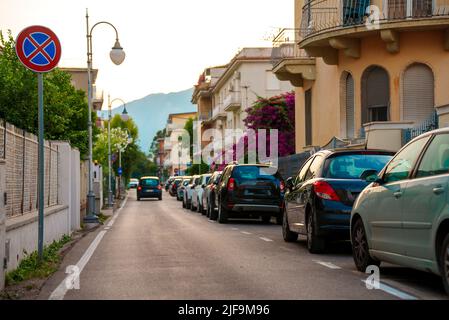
(133, 183)
(209, 196)
(318, 201)
(250, 191)
(149, 187)
(197, 194)
(402, 217)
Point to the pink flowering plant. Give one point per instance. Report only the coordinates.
(277, 112)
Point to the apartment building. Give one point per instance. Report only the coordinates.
(173, 161)
(366, 72)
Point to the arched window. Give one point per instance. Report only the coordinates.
(375, 95)
(417, 93)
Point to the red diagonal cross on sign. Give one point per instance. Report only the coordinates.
(26, 37)
(40, 48)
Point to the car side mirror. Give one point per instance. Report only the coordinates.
(203, 186)
(289, 183)
(373, 178)
(192, 187)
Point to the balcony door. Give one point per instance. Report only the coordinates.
(375, 95)
(401, 9)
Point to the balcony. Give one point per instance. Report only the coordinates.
(218, 112)
(167, 144)
(290, 63)
(232, 102)
(339, 24)
(173, 126)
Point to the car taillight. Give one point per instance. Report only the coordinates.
(231, 184)
(325, 191)
(159, 187)
(139, 188)
(282, 186)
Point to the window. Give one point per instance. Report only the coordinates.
(272, 83)
(314, 167)
(302, 173)
(436, 159)
(401, 165)
(149, 182)
(352, 166)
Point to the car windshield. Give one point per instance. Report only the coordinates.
(352, 166)
(245, 173)
(177, 182)
(149, 182)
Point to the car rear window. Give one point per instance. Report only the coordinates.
(149, 182)
(245, 173)
(351, 166)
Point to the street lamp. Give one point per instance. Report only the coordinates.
(117, 56)
(110, 194)
(124, 115)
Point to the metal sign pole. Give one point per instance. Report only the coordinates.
(40, 87)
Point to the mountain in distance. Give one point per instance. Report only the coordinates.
(151, 112)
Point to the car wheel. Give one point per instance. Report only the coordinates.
(160, 198)
(445, 263)
(315, 244)
(192, 208)
(360, 249)
(138, 199)
(288, 235)
(183, 202)
(279, 219)
(212, 214)
(207, 210)
(222, 214)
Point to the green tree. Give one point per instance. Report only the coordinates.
(194, 168)
(65, 108)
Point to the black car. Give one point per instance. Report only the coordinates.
(250, 191)
(173, 189)
(168, 183)
(149, 187)
(318, 201)
(209, 204)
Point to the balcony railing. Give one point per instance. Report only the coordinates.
(319, 15)
(285, 46)
(233, 100)
(428, 125)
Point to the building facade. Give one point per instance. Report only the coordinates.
(376, 78)
(174, 162)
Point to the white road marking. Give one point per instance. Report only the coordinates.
(211, 221)
(395, 292)
(60, 291)
(245, 232)
(329, 265)
(234, 228)
(265, 239)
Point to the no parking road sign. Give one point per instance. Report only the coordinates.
(38, 48)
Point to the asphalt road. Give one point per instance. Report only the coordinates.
(157, 250)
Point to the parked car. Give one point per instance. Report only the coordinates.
(197, 194)
(181, 187)
(318, 201)
(188, 191)
(133, 183)
(402, 217)
(209, 196)
(168, 183)
(250, 191)
(173, 190)
(149, 187)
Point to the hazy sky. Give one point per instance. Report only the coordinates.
(167, 42)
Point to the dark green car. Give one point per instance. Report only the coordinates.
(402, 217)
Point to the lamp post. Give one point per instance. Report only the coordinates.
(117, 56)
(110, 194)
(121, 148)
